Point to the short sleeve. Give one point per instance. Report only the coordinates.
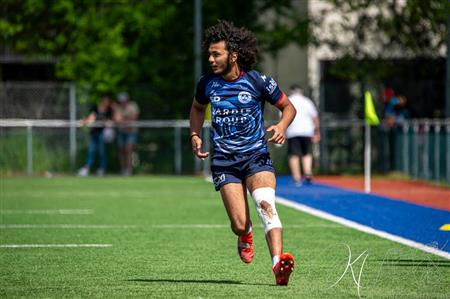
(200, 93)
(313, 108)
(270, 90)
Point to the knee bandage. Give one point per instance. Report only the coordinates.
(264, 199)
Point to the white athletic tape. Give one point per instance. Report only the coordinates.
(264, 200)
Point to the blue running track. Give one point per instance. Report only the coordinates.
(407, 220)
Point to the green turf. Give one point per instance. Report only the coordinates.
(151, 260)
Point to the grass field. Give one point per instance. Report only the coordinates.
(168, 237)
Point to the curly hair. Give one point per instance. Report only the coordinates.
(240, 40)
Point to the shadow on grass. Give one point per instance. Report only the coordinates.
(211, 281)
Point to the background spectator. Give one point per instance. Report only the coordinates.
(126, 113)
(100, 114)
(303, 131)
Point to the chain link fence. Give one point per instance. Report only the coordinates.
(41, 100)
(40, 134)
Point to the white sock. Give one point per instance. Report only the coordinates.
(249, 230)
(275, 260)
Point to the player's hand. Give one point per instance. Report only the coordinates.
(279, 135)
(196, 142)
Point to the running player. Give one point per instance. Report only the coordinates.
(241, 160)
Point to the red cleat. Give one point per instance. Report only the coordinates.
(246, 249)
(283, 269)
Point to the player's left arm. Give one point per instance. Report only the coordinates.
(288, 113)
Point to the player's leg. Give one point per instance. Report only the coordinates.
(102, 148)
(92, 152)
(294, 166)
(307, 164)
(294, 154)
(307, 159)
(262, 187)
(234, 200)
(121, 145)
(128, 152)
(234, 197)
(264, 183)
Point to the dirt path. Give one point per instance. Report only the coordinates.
(410, 191)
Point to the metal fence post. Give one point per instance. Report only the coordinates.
(437, 150)
(406, 148)
(29, 149)
(415, 148)
(73, 127)
(367, 157)
(177, 144)
(426, 149)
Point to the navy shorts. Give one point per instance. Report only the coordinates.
(299, 146)
(235, 168)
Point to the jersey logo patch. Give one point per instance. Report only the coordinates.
(219, 179)
(244, 97)
(215, 99)
(272, 86)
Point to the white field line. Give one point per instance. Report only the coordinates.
(65, 226)
(48, 212)
(190, 226)
(160, 226)
(362, 228)
(55, 245)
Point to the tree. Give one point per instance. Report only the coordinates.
(93, 41)
(144, 47)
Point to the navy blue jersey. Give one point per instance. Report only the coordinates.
(237, 110)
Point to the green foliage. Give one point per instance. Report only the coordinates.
(96, 42)
(144, 47)
(46, 156)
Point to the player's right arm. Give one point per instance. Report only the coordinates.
(197, 117)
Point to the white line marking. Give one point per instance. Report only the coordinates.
(65, 226)
(157, 226)
(54, 245)
(190, 226)
(48, 212)
(362, 228)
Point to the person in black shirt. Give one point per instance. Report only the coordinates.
(99, 115)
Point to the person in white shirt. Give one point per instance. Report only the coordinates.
(302, 132)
